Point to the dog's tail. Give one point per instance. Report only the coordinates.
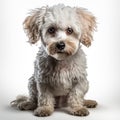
(19, 99)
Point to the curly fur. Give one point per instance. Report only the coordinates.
(59, 79)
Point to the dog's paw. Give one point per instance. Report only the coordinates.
(19, 99)
(43, 111)
(90, 103)
(79, 112)
(26, 105)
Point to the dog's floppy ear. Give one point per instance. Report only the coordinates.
(32, 24)
(88, 25)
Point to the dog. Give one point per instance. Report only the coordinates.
(60, 77)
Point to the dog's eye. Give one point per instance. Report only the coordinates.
(69, 31)
(51, 30)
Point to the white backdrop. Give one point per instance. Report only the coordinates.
(17, 57)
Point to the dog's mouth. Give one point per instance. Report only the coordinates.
(60, 52)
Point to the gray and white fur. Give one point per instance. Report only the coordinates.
(60, 77)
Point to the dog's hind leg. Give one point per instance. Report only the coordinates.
(19, 99)
(90, 103)
(27, 103)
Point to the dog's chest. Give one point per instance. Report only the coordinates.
(64, 77)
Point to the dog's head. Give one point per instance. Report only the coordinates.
(61, 29)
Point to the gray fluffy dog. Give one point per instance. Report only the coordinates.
(59, 78)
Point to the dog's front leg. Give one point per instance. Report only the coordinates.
(76, 102)
(45, 101)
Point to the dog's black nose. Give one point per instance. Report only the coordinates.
(60, 45)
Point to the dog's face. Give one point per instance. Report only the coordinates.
(61, 29)
(60, 33)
